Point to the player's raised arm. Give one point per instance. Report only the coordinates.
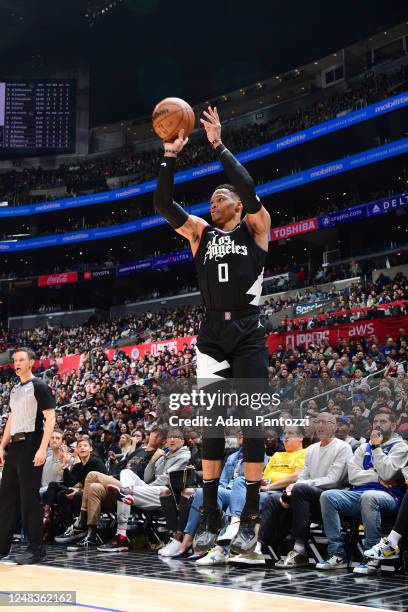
(257, 217)
(187, 225)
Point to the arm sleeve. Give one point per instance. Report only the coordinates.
(240, 178)
(43, 395)
(163, 196)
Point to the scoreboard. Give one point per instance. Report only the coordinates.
(37, 116)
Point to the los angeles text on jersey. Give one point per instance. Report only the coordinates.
(220, 246)
(221, 421)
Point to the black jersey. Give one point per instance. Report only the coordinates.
(230, 269)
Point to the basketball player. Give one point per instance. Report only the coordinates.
(229, 257)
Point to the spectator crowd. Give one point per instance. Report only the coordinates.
(113, 448)
(91, 175)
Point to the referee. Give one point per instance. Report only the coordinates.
(29, 426)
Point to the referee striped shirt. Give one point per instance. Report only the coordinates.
(27, 402)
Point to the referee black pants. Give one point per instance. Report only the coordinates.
(19, 492)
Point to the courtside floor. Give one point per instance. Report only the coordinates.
(142, 581)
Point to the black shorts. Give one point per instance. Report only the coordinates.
(232, 355)
(232, 349)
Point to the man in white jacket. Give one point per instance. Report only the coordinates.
(376, 492)
(145, 494)
(325, 468)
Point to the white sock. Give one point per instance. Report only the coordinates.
(121, 532)
(299, 548)
(394, 538)
(258, 548)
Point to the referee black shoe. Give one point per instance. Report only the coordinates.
(33, 554)
(209, 527)
(247, 536)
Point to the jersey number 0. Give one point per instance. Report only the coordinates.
(223, 273)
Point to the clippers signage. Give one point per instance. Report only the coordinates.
(294, 229)
(138, 351)
(47, 280)
(381, 328)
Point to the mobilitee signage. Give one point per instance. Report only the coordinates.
(275, 146)
(296, 180)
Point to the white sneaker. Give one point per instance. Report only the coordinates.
(367, 569)
(251, 558)
(382, 550)
(213, 557)
(171, 548)
(229, 533)
(332, 564)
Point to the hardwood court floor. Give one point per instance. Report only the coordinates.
(143, 581)
(119, 593)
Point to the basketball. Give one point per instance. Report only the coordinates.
(170, 116)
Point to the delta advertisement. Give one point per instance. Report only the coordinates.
(355, 213)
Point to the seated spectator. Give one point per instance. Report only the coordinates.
(107, 443)
(281, 470)
(361, 425)
(375, 477)
(325, 468)
(343, 432)
(67, 495)
(52, 470)
(387, 548)
(233, 468)
(194, 444)
(117, 461)
(145, 494)
(95, 495)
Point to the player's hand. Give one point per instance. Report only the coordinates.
(177, 145)
(1, 456)
(71, 494)
(212, 124)
(39, 457)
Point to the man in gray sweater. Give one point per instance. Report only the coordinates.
(145, 494)
(376, 492)
(325, 468)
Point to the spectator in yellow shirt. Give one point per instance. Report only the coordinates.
(283, 468)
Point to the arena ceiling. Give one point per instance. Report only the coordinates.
(139, 51)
